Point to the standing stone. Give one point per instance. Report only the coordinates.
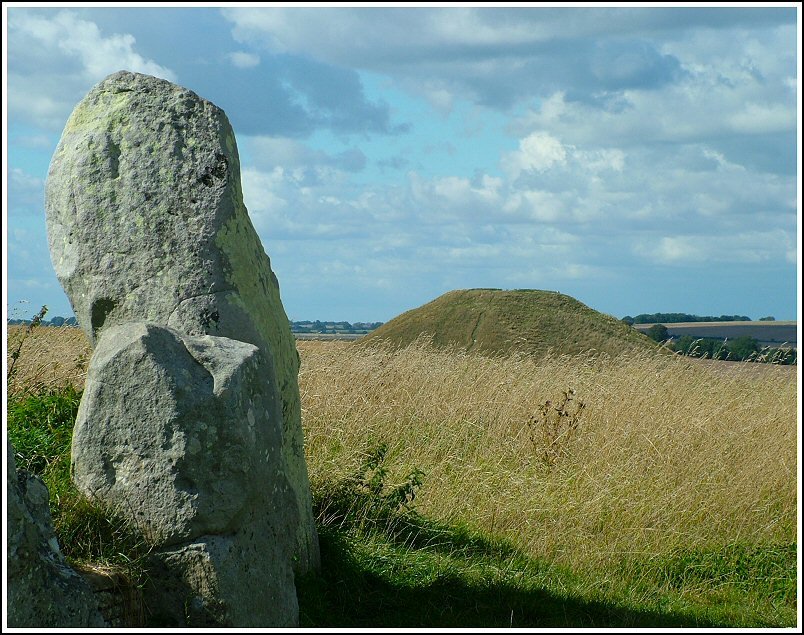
(146, 222)
(183, 434)
(43, 591)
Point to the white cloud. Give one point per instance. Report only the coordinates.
(459, 191)
(241, 59)
(454, 199)
(577, 204)
(439, 97)
(291, 153)
(272, 151)
(736, 82)
(29, 259)
(760, 118)
(367, 37)
(549, 275)
(54, 59)
(538, 151)
(601, 160)
(499, 56)
(25, 192)
(356, 35)
(745, 247)
(676, 249)
(39, 141)
(99, 55)
(23, 181)
(28, 99)
(260, 190)
(535, 205)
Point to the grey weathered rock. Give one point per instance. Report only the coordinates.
(183, 434)
(211, 570)
(146, 222)
(43, 591)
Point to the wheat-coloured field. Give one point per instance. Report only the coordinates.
(666, 453)
(46, 357)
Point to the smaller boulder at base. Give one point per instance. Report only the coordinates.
(183, 435)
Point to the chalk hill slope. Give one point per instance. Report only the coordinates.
(493, 321)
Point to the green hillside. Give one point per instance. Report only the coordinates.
(492, 321)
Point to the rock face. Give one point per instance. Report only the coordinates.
(146, 222)
(183, 434)
(184, 430)
(43, 591)
(190, 423)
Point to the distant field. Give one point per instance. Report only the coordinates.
(766, 333)
(328, 336)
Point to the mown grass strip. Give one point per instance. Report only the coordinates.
(385, 565)
(376, 578)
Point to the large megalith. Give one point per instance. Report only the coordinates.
(183, 434)
(43, 591)
(146, 222)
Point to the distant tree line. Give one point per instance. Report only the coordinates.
(742, 349)
(317, 326)
(310, 326)
(670, 318)
(54, 321)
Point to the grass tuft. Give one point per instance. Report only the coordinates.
(91, 536)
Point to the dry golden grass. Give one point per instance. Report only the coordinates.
(668, 452)
(49, 357)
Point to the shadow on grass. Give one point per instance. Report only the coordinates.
(415, 573)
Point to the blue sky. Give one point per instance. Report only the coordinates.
(640, 160)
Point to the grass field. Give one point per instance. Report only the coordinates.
(453, 489)
(48, 357)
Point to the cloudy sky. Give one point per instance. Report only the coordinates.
(637, 159)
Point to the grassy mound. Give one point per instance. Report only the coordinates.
(492, 322)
